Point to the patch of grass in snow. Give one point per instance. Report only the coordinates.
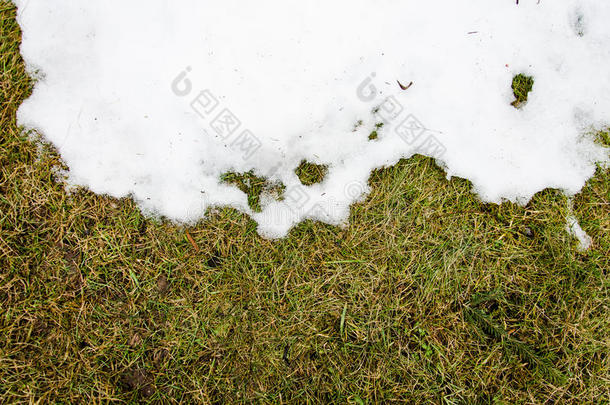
(99, 303)
(375, 134)
(603, 138)
(254, 187)
(522, 86)
(311, 173)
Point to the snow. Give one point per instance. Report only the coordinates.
(573, 228)
(156, 99)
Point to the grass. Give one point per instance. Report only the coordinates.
(254, 187)
(429, 296)
(374, 135)
(311, 173)
(522, 86)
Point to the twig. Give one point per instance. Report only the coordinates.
(192, 241)
(404, 87)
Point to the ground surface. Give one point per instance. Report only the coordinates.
(429, 296)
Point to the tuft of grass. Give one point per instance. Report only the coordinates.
(101, 304)
(374, 135)
(253, 186)
(603, 138)
(522, 86)
(311, 173)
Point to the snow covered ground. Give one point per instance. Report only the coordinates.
(157, 99)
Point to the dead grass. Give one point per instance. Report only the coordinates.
(101, 304)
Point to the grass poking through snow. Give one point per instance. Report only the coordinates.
(311, 173)
(254, 187)
(429, 296)
(522, 86)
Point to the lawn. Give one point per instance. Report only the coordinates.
(428, 296)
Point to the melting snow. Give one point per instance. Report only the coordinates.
(156, 98)
(574, 229)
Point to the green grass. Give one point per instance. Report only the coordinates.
(522, 86)
(375, 134)
(254, 187)
(428, 296)
(311, 173)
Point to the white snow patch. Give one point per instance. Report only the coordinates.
(574, 229)
(156, 99)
